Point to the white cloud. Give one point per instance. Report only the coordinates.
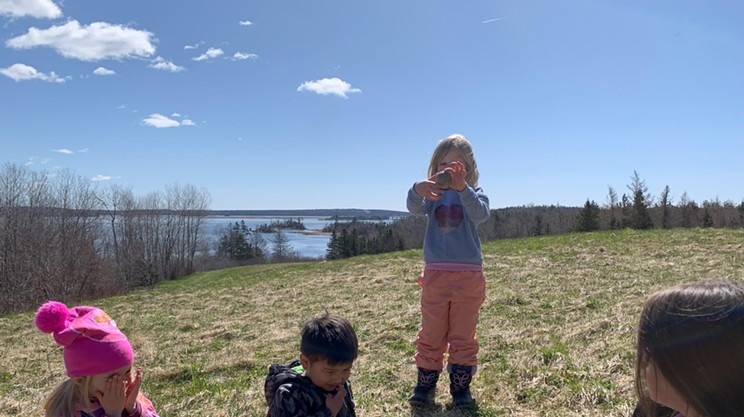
(100, 177)
(63, 151)
(160, 121)
(335, 86)
(194, 46)
(35, 8)
(245, 23)
(210, 54)
(94, 42)
(493, 20)
(23, 72)
(239, 56)
(84, 150)
(103, 71)
(162, 64)
(176, 115)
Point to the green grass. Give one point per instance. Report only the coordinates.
(557, 330)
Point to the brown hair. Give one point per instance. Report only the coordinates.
(693, 334)
(459, 143)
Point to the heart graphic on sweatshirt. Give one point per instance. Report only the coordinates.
(448, 217)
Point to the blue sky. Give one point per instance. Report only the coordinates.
(339, 104)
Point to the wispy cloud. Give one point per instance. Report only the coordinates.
(32, 161)
(325, 86)
(163, 64)
(194, 46)
(210, 54)
(40, 9)
(245, 23)
(23, 72)
(493, 20)
(103, 71)
(63, 151)
(84, 150)
(97, 41)
(159, 121)
(100, 177)
(240, 56)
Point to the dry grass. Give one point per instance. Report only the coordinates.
(556, 331)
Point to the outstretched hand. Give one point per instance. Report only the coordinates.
(335, 401)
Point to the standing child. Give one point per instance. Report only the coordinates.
(98, 359)
(318, 384)
(690, 352)
(453, 284)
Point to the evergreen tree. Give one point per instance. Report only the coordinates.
(665, 201)
(282, 249)
(537, 229)
(235, 243)
(588, 218)
(640, 217)
(333, 252)
(707, 219)
(612, 205)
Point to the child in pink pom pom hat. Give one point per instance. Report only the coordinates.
(98, 359)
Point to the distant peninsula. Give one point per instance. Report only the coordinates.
(340, 213)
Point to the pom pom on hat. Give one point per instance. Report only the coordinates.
(51, 317)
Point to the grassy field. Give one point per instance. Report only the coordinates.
(557, 330)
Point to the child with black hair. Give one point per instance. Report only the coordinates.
(318, 383)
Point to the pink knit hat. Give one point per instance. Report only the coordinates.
(92, 343)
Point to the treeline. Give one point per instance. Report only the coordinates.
(636, 209)
(239, 245)
(62, 237)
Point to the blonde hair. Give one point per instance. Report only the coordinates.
(693, 334)
(459, 143)
(68, 397)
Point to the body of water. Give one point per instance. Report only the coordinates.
(306, 245)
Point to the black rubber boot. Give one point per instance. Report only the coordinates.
(426, 387)
(460, 378)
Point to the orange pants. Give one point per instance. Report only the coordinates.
(450, 301)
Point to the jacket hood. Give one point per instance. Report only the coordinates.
(281, 374)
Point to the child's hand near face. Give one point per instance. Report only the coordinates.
(335, 402)
(114, 395)
(458, 173)
(133, 392)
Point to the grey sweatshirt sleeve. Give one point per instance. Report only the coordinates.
(415, 203)
(476, 203)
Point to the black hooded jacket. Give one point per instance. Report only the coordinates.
(290, 394)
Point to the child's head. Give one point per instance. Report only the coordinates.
(456, 143)
(690, 353)
(328, 349)
(93, 349)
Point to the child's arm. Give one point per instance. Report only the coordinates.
(476, 204)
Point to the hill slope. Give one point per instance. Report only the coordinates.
(556, 332)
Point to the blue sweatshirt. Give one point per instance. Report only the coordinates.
(452, 225)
